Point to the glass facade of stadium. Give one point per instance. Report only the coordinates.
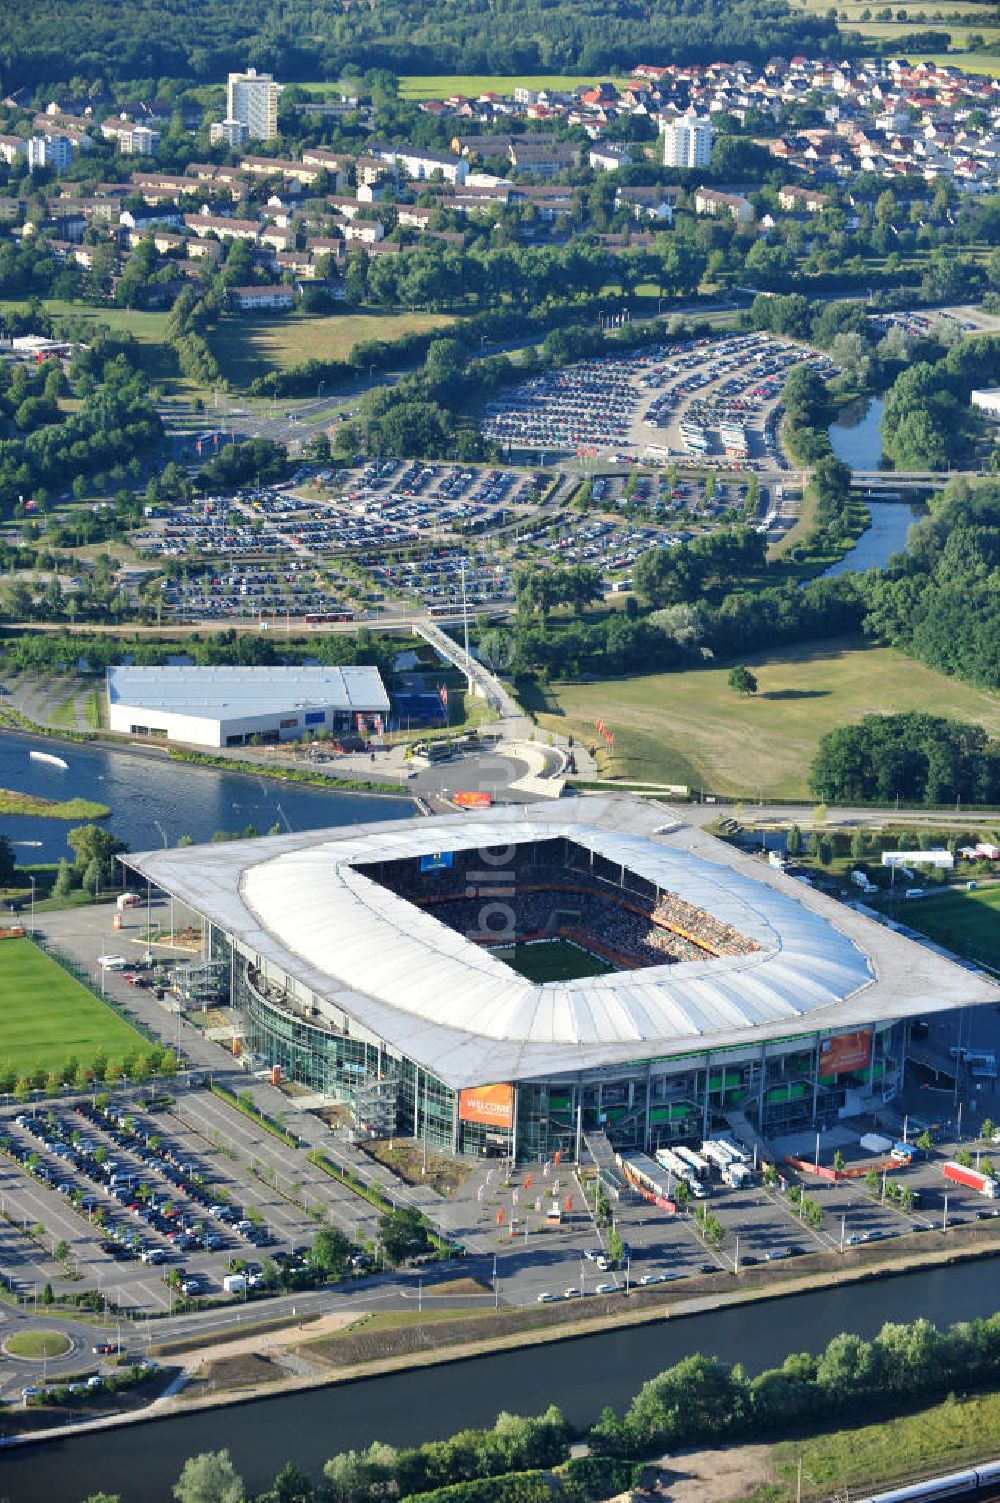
(802, 1080)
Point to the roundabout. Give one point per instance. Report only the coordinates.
(37, 1345)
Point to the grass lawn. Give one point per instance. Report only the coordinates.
(248, 347)
(691, 728)
(553, 960)
(46, 1016)
(966, 922)
(37, 1344)
(869, 1457)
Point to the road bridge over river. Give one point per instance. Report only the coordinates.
(892, 485)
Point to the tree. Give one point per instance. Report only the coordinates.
(742, 681)
(793, 841)
(209, 1478)
(616, 1245)
(838, 1160)
(63, 885)
(403, 1234)
(330, 1250)
(987, 1130)
(91, 843)
(682, 1194)
(8, 862)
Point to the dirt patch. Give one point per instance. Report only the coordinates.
(719, 1476)
(226, 1374)
(405, 1157)
(459, 1286)
(337, 1115)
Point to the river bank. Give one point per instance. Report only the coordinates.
(13, 802)
(650, 1308)
(156, 800)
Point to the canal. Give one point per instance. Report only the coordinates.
(153, 799)
(857, 440)
(142, 1462)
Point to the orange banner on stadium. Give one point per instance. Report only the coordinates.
(492, 1105)
(848, 1051)
(472, 800)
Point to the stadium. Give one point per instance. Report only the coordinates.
(524, 975)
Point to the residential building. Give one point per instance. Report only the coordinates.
(708, 201)
(687, 141)
(252, 98)
(232, 133)
(12, 147)
(262, 299)
(50, 151)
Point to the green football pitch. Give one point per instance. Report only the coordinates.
(552, 960)
(46, 1016)
(963, 921)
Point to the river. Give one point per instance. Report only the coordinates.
(148, 795)
(857, 440)
(142, 1462)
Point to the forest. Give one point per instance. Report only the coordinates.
(938, 600)
(200, 40)
(923, 759)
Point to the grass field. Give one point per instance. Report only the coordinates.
(157, 360)
(248, 347)
(966, 922)
(691, 728)
(552, 960)
(37, 1344)
(46, 1016)
(869, 1457)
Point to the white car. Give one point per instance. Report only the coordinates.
(607, 1289)
(572, 1293)
(545, 1298)
(112, 962)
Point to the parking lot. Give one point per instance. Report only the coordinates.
(714, 401)
(138, 1192)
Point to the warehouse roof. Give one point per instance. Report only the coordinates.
(232, 693)
(301, 906)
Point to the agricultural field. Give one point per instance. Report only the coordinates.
(47, 1016)
(692, 728)
(443, 85)
(968, 923)
(959, 21)
(249, 347)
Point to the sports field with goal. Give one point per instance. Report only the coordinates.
(47, 1017)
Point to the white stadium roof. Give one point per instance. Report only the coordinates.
(235, 693)
(300, 903)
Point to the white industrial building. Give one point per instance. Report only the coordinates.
(988, 401)
(242, 706)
